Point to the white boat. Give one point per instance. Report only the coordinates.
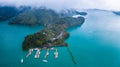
(21, 60)
(36, 49)
(45, 61)
(52, 48)
(29, 53)
(36, 56)
(32, 50)
(39, 52)
(47, 53)
(56, 54)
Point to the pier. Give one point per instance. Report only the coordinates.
(38, 52)
(47, 53)
(29, 53)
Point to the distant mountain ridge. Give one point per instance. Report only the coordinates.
(44, 16)
(116, 12)
(7, 12)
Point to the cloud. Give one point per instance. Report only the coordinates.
(66, 4)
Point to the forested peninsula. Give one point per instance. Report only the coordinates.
(55, 24)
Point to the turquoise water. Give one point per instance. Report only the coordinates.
(95, 44)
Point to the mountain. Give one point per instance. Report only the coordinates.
(7, 12)
(116, 12)
(44, 16)
(71, 12)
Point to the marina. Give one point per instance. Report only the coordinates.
(38, 52)
(29, 53)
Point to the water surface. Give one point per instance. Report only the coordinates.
(95, 44)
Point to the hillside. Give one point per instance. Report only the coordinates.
(43, 17)
(50, 36)
(55, 24)
(7, 12)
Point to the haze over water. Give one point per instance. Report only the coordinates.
(95, 44)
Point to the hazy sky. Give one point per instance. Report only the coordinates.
(60, 4)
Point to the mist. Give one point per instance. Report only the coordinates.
(66, 4)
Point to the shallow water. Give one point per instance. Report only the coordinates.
(95, 44)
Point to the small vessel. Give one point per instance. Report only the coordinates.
(36, 56)
(21, 60)
(52, 48)
(29, 53)
(45, 61)
(47, 53)
(39, 52)
(56, 54)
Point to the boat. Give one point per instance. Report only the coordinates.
(36, 56)
(39, 52)
(47, 53)
(52, 48)
(29, 53)
(45, 61)
(21, 60)
(56, 54)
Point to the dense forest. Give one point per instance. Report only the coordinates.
(51, 35)
(42, 16)
(55, 24)
(54, 31)
(7, 12)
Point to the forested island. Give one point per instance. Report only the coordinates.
(55, 24)
(51, 36)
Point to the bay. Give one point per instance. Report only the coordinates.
(95, 44)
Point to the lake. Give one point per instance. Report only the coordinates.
(95, 44)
